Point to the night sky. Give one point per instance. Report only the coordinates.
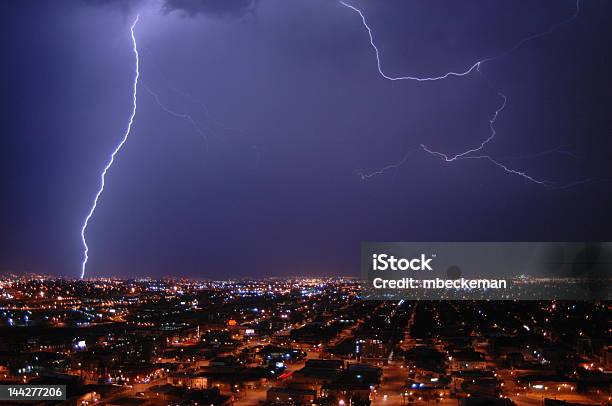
(291, 104)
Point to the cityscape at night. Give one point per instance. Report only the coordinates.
(296, 341)
(305, 203)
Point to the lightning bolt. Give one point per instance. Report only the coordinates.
(393, 78)
(213, 125)
(482, 144)
(207, 127)
(560, 150)
(382, 170)
(466, 154)
(113, 154)
(549, 31)
(194, 123)
(474, 67)
(493, 161)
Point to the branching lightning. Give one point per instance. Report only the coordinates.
(474, 67)
(466, 154)
(549, 31)
(114, 153)
(382, 170)
(473, 153)
(194, 123)
(379, 63)
(212, 126)
(493, 161)
(207, 127)
(482, 144)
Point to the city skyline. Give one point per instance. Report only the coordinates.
(301, 341)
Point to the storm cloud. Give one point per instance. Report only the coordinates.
(215, 8)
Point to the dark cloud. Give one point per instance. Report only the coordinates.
(189, 8)
(216, 8)
(125, 6)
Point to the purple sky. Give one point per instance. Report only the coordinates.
(292, 105)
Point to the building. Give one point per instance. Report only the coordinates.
(291, 395)
(467, 360)
(188, 380)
